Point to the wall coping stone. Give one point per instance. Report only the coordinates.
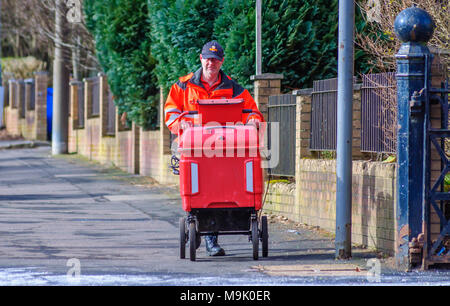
(267, 76)
(302, 92)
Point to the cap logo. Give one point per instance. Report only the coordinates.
(213, 48)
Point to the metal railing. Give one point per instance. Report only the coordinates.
(282, 109)
(111, 120)
(93, 96)
(378, 113)
(5, 94)
(13, 94)
(30, 94)
(20, 97)
(324, 115)
(80, 95)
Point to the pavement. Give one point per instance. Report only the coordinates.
(65, 216)
(22, 143)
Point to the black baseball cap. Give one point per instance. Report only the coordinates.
(212, 49)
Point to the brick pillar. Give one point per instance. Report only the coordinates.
(302, 137)
(356, 132)
(303, 123)
(12, 115)
(40, 100)
(265, 85)
(74, 120)
(73, 116)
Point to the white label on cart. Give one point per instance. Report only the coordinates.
(249, 176)
(194, 178)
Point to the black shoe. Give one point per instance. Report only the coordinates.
(212, 247)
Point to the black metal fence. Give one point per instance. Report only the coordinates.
(378, 113)
(30, 94)
(281, 110)
(5, 93)
(80, 109)
(94, 96)
(111, 121)
(20, 85)
(324, 115)
(378, 118)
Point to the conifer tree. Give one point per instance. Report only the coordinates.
(179, 29)
(121, 32)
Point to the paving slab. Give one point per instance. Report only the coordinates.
(55, 210)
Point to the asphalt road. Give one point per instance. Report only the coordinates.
(65, 220)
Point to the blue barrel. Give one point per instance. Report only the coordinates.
(49, 112)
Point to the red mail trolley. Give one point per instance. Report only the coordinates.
(221, 180)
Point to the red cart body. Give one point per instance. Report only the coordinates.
(221, 180)
(220, 167)
(220, 164)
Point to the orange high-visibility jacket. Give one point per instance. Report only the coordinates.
(184, 94)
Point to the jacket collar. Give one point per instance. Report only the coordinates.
(225, 82)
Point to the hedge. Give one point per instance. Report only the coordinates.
(144, 44)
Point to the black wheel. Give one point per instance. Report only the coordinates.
(198, 241)
(264, 236)
(192, 240)
(255, 238)
(183, 237)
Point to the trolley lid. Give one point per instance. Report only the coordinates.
(220, 110)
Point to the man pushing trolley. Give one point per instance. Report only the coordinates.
(221, 179)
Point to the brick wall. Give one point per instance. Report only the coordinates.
(33, 124)
(280, 199)
(130, 149)
(150, 154)
(120, 150)
(312, 200)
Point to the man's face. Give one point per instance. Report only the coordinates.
(211, 66)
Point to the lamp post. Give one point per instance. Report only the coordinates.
(60, 84)
(258, 38)
(344, 135)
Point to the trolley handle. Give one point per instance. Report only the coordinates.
(181, 117)
(249, 111)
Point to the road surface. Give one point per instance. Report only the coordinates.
(67, 221)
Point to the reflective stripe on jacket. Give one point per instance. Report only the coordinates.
(184, 94)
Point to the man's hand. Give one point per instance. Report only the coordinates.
(184, 124)
(255, 122)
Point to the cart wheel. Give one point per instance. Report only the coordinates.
(183, 238)
(192, 241)
(264, 236)
(255, 238)
(198, 241)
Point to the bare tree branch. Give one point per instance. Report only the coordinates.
(28, 29)
(381, 41)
